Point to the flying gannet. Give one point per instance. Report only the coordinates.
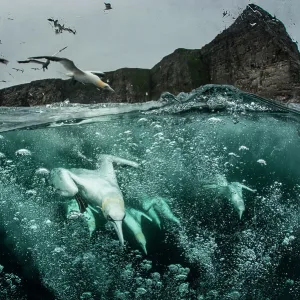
(232, 191)
(92, 77)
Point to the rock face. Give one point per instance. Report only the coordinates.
(257, 55)
(254, 54)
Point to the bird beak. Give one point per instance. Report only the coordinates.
(111, 89)
(240, 214)
(118, 227)
(144, 248)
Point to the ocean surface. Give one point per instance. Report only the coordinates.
(190, 148)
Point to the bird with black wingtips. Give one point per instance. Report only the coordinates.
(92, 77)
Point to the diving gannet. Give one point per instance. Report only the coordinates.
(232, 191)
(79, 75)
(158, 208)
(98, 189)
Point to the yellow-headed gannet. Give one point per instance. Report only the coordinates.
(92, 77)
(97, 189)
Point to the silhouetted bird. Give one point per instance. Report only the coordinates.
(3, 61)
(19, 70)
(107, 6)
(225, 12)
(44, 64)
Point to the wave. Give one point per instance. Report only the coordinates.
(208, 98)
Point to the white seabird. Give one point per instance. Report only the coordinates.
(97, 189)
(232, 191)
(92, 77)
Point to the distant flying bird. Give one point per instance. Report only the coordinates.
(60, 28)
(92, 77)
(18, 70)
(107, 6)
(44, 64)
(3, 61)
(3, 81)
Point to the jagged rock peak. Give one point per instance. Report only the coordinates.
(255, 15)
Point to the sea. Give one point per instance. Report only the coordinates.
(190, 148)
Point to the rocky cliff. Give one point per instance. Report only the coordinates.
(255, 54)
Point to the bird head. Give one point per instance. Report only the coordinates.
(104, 86)
(114, 212)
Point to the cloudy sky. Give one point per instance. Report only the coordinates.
(136, 33)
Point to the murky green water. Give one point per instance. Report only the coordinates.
(212, 254)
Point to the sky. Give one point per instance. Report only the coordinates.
(135, 33)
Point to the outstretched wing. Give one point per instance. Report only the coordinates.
(210, 186)
(247, 188)
(67, 63)
(63, 182)
(30, 61)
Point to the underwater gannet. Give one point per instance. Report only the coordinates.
(44, 64)
(133, 220)
(3, 61)
(79, 75)
(97, 188)
(232, 191)
(157, 209)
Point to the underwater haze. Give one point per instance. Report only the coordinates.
(191, 150)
